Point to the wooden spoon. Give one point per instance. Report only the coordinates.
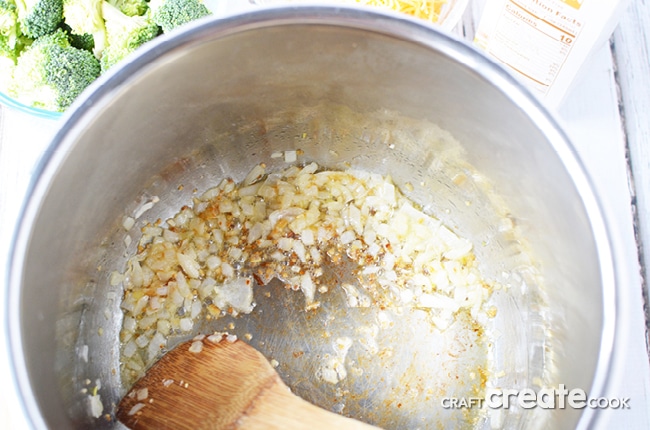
(225, 384)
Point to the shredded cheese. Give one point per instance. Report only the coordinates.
(428, 10)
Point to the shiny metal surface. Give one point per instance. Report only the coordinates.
(368, 90)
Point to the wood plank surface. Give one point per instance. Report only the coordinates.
(631, 47)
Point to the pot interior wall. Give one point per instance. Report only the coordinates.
(224, 100)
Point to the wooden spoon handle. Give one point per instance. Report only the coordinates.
(277, 408)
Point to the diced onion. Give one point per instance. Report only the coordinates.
(96, 406)
(203, 262)
(136, 408)
(196, 347)
(142, 394)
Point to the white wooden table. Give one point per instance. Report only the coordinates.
(607, 115)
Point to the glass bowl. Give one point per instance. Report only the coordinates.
(15, 104)
(217, 7)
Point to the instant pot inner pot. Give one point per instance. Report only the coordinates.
(346, 91)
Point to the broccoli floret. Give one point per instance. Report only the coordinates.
(10, 42)
(131, 7)
(51, 73)
(39, 17)
(8, 24)
(7, 50)
(8, 14)
(170, 14)
(83, 41)
(7, 64)
(124, 34)
(80, 41)
(10, 49)
(86, 17)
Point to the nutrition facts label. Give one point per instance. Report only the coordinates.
(534, 38)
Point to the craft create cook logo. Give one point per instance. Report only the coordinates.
(527, 398)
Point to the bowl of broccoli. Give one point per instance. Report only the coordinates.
(51, 50)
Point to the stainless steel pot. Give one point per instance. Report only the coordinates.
(345, 87)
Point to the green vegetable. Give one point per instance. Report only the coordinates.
(39, 17)
(86, 17)
(6, 50)
(7, 64)
(51, 50)
(81, 41)
(170, 14)
(51, 73)
(131, 7)
(8, 25)
(12, 41)
(124, 34)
